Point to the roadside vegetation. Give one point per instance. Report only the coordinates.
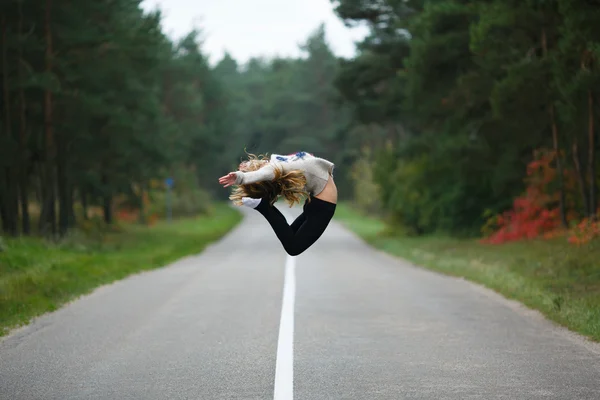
(39, 275)
(552, 276)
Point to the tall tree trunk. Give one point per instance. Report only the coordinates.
(23, 176)
(580, 178)
(3, 178)
(559, 169)
(64, 200)
(24, 182)
(47, 222)
(72, 216)
(593, 206)
(556, 148)
(10, 194)
(48, 216)
(142, 205)
(84, 203)
(106, 200)
(107, 208)
(3, 213)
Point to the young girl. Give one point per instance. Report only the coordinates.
(260, 182)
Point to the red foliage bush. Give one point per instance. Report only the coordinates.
(585, 231)
(527, 220)
(535, 212)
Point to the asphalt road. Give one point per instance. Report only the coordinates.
(341, 321)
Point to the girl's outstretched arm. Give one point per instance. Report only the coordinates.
(266, 173)
(228, 179)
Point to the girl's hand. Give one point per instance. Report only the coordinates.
(228, 179)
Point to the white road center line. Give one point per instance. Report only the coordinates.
(284, 367)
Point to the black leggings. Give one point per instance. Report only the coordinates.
(305, 230)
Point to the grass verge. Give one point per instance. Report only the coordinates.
(38, 276)
(558, 279)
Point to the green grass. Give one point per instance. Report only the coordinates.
(37, 276)
(558, 279)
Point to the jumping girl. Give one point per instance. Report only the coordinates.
(260, 182)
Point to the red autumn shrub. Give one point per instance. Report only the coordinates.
(534, 213)
(585, 231)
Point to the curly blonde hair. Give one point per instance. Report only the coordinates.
(290, 185)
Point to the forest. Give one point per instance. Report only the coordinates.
(469, 118)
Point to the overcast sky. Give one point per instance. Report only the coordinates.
(249, 28)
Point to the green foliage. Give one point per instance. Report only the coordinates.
(96, 99)
(451, 97)
(366, 194)
(186, 198)
(100, 104)
(285, 105)
(476, 86)
(431, 185)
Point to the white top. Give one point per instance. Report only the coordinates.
(316, 170)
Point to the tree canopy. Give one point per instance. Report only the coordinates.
(480, 88)
(442, 119)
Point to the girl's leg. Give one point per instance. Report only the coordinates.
(318, 215)
(307, 228)
(276, 219)
(298, 222)
(280, 226)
